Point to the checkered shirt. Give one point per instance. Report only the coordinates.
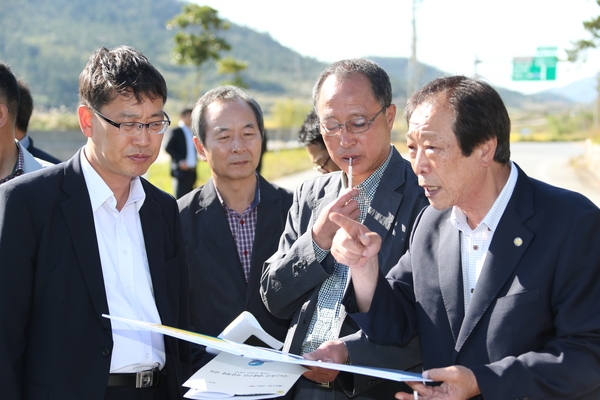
(19, 168)
(242, 228)
(326, 322)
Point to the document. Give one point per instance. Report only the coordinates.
(276, 360)
(228, 376)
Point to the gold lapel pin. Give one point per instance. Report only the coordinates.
(518, 241)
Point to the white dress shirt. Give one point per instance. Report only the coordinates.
(474, 243)
(127, 280)
(191, 158)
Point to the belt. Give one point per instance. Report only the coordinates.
(324, 385)
(142, 379)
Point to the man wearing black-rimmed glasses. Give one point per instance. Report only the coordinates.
(302, 281)
(91, 237)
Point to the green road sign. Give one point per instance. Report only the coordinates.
(534, 68)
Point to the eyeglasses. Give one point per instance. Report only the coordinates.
(321, 168)
(353, 125)
(134, 128)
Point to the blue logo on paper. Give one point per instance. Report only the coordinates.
(256, 363)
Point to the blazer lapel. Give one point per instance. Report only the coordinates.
(266, 236)
(211, 218)
(450, 275)
(150, 218)
(77, 211)
(386, 201)
(508, 245)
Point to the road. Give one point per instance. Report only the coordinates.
(552, 162)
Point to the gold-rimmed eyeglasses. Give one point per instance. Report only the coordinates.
(321, 167)
(134, 128)
(353, 125)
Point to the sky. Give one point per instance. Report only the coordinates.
(450, 34)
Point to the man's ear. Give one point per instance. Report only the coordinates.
(390, 115)
(4, 116)
(85, 120)
(487, 151)
(199, 148)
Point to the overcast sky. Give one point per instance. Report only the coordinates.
(451, 34)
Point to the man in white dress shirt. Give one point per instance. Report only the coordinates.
(91, 237)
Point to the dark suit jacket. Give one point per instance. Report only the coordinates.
(218, 288)
(54, 343)
(177, 149)
(41, 154)
(532, 328)
(293, 276)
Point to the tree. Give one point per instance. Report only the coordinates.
(198, 42)
(580, 47)
(229, 65)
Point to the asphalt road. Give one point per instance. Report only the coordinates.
(556, 163)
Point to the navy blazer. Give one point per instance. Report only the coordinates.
(293, 277)
(54, 343)
(532, 329)
(41, 154)
(218, 288)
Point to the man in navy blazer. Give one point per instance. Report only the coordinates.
(232, 223)
(89, 237)
(303, 281)
(502, 277)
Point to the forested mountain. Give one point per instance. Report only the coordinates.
(48, 43)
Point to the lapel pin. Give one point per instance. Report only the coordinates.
(518, 241)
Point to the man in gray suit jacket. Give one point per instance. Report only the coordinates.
(232, 223)
(303, 281)
(502, 277)
(89, 237)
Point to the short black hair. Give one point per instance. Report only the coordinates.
(25, 106)
(9, 90)
(309, 131)
(120, 71)
(479, 112)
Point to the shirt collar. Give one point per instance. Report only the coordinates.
(185, 128)
(252, 205)
(25, 141)
(371, 183)
(100, 192)
(20, 165)
(19, 168)
(492, 218)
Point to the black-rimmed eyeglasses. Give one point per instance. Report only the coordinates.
(353, 125)
(134, 128)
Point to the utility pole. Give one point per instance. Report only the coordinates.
(475, 63)
(413, 66)
(597, 104)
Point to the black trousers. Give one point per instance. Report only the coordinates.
(183, 182)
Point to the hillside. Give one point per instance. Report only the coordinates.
(48, 43)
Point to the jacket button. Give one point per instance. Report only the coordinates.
(105, 352)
